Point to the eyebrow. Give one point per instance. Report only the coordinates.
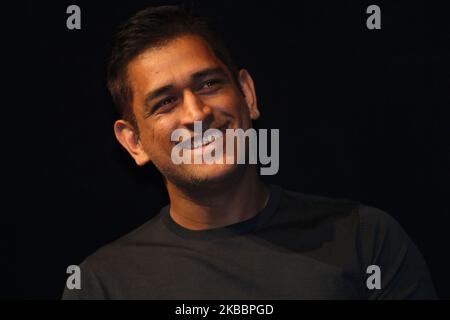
(158, 92)
(207, 72)
(154, 94)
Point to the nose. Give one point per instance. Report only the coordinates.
(195, 110)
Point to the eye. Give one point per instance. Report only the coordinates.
(164, 104)
(210, 85)
(166, 101)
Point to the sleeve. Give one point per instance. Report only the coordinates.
(91, 287)
(383, 243)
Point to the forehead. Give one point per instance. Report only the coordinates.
(171, 63)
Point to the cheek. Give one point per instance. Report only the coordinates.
(148, 137)
(157, 137)
(241, 111)
(233, 103)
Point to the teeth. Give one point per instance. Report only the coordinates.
(197, 142)
(206, 140)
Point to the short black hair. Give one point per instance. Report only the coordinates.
(153, 27)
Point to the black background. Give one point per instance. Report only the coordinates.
(363, 115)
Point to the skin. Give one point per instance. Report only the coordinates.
(198, 86)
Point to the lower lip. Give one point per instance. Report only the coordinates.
(211, 143)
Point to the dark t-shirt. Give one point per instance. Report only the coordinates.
(298, 247)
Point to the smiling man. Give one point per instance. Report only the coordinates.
(226, 234)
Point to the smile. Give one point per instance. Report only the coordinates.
(202, 140)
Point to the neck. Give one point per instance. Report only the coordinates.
(208, 207)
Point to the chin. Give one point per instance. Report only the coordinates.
(207, 175)
(214, 173)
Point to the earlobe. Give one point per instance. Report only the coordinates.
(129, 139)
(248, 89)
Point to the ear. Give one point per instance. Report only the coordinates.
(127, 136)
(248, 88)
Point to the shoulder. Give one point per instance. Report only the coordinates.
(348, 223)
(128, 247)
(309, 208)
(366, 235)
(314, 207)
(118, 266)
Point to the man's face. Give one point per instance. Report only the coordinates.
(175, 85)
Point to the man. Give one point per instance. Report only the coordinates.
(225, 234)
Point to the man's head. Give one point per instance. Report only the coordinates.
(167, 70)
